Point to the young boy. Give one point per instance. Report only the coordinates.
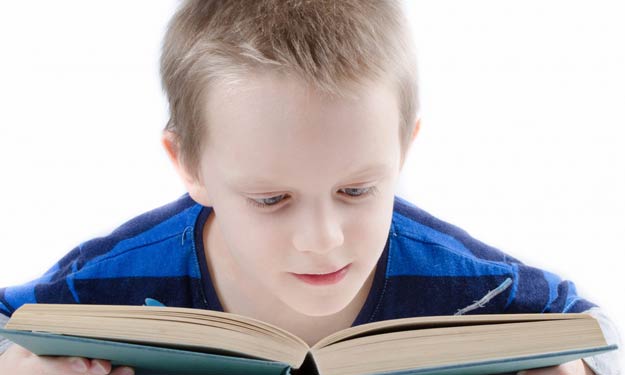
(290, 122)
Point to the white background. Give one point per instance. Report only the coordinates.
(522, 141)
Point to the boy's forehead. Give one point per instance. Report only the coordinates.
(272, 130)
(272, 103)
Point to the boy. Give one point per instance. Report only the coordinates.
(290, 121)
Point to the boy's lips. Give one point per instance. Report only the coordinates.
(323, 279)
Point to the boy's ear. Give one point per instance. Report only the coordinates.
(415, 131)
(196, 188)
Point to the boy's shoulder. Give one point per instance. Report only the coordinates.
(415, 224)
(153, 255)
(158, 225)
(431, 267)
(159, 233)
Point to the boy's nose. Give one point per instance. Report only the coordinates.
(318, 232)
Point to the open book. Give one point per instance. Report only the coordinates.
(169, 340)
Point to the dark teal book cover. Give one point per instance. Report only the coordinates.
(147, 360)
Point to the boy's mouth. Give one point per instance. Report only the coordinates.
(323, 279)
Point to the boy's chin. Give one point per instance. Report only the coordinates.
(318, 306)
(318, 311)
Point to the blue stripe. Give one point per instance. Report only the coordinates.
(155, 260)
(70, 282)
(150, 253)
(515, 285)
(414, 258)
(18, 295)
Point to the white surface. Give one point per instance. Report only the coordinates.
(521, 144)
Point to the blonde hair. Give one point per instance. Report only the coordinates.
(334, 45)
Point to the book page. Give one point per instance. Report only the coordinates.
(396, 325)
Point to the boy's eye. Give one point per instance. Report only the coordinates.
(266, 202)
(357, 192)
(275, 200)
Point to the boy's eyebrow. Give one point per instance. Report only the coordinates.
(372, 170)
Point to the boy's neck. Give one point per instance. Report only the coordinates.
(253, 301)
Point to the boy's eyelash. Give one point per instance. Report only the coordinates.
(370, 191)
(255, 203)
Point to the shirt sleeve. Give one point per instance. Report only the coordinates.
(540, 291)
(54, 286)
(536, 290)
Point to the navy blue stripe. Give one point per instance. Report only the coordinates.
(368, 312)
(54, 292)
(171, 291)
(410, 296)
(563, 303)
(6, 303)
(532, 293)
